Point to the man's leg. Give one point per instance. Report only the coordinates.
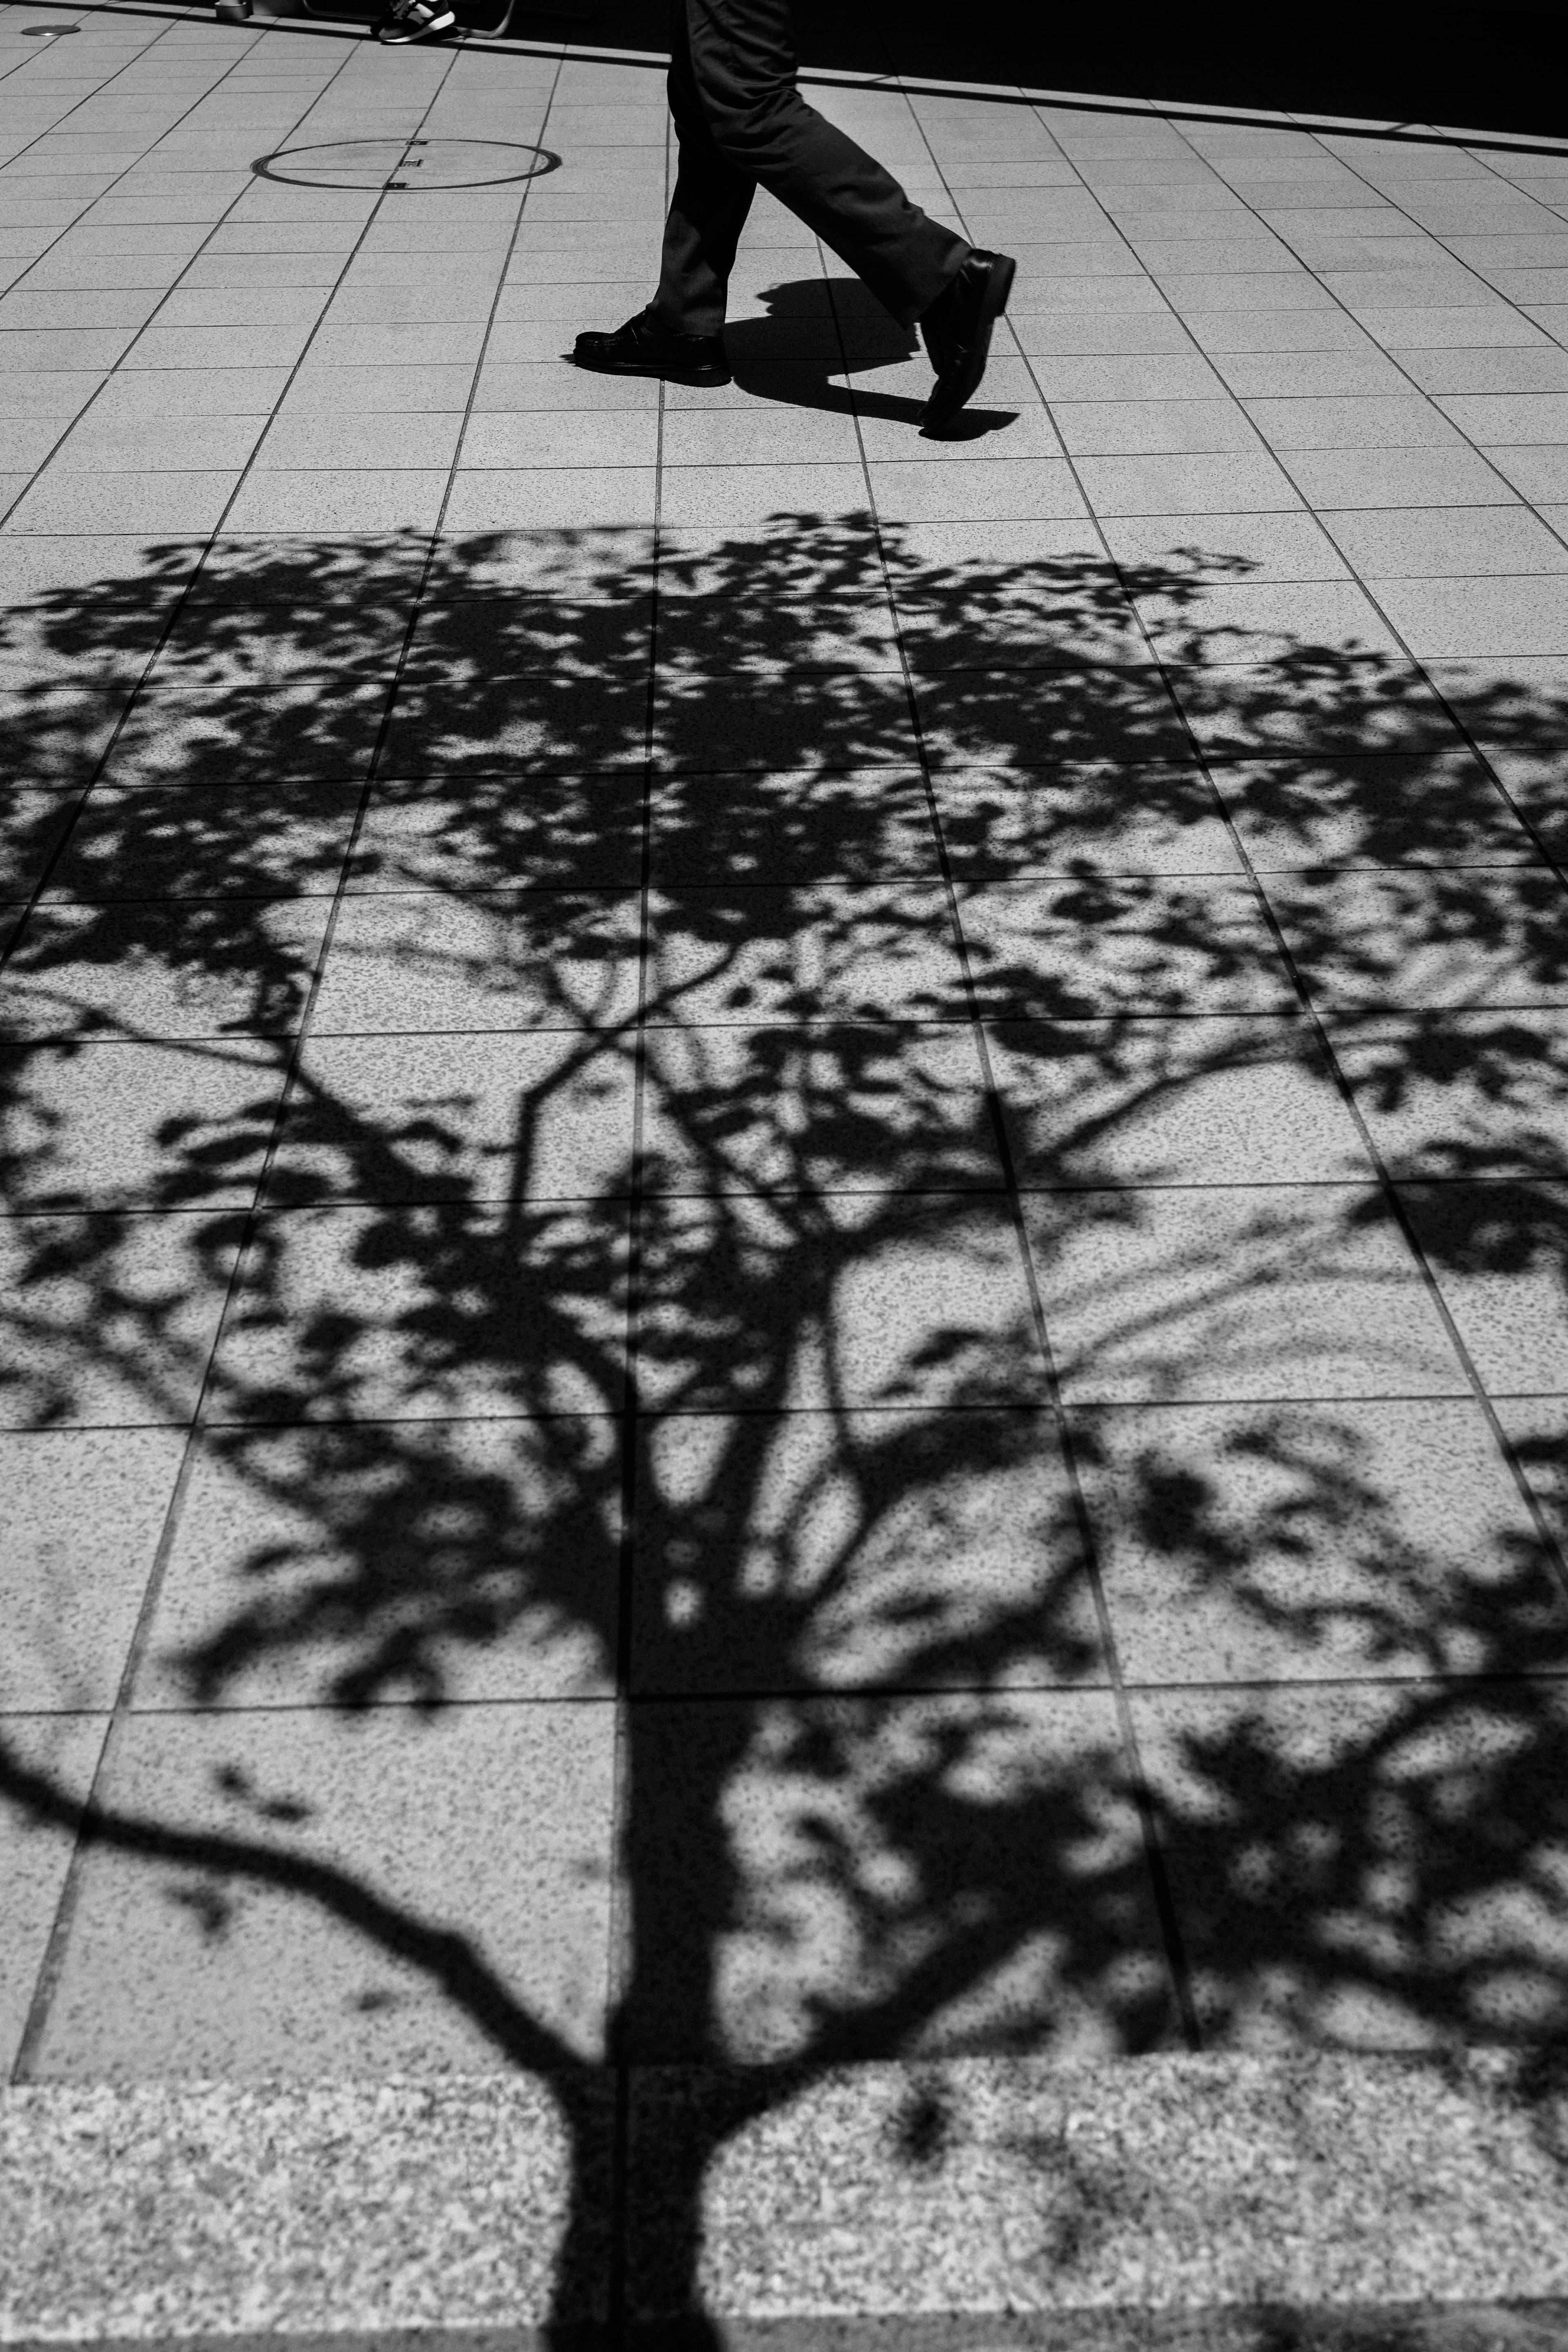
(742, 67)
(707, 212)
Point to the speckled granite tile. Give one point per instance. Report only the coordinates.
(1164, 2184)
(158, 2214)
(1175, 2204)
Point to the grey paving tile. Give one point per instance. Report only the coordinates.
(1159, 944)
(55, 735)
(1449, 327)
(30, 351)
(909, 1547)
(1363, 1767)
(1312, 376)
(326, 501)
(417, 963)
(35, 1856)
(1368, 477)
(887, 419)
(112, 443)
(1058, 1762)
(1180, 548)
(1266, 329)
(103, 308)
(166, 397)
(1358, 806)
(394, 440)
(1536, 1429)
(361, 392)
(1114, 706)
(458, 832)
(512, 387)
(1459, 1092)
(1132, 296)
(106, 1123)
(1184, 375)
(1493, 1250)
(520, 1325)
(121, 1317)
(200, 718)
(1461, 937)
(1503, 417)
(922, 1302)
(1009, 825)
(1314, 1543)
(966, 489)
(536, 1115)
(1198, 289)
(241, 308)
(852, 1109)
(1080, 331)
(554, 497)
(33, 823)
(1497, 616)
(299, 1573)
(1540, 474)
(825, 951)
(1202, 1100)
(83, 1517)
(289, 1988)
(1386, 420)
(1455, 543)
(1232, 1295)
(540, 437)
(58, 393)
(216, 347)
(1102, 427)
(1232, 481)
(164, 969)
(152, 504)
(1513, 369)
(1230, 621)
(783, 826)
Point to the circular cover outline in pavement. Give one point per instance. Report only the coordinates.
(405, 164)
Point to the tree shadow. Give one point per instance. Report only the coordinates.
(856, 1202)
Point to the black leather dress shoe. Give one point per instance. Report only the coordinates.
(956, 330)
(642, 347)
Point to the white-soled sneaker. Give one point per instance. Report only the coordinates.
(415, 20)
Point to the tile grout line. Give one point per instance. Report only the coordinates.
(620, 1928)
(1177, 1968)
(1163, 1895)
(109, 373)
(1392, 1200)
(1430, 399)
(52, 1965)
(179, 604)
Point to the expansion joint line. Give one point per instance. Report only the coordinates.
(52, 1966)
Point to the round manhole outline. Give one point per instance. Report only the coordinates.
(411, 156)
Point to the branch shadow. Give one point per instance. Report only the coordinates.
(828, 1239)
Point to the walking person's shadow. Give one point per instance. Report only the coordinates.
(814, 333)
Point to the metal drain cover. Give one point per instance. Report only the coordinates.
(413, 163)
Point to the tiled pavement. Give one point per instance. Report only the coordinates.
(787, 1208)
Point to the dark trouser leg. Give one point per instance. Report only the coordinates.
(707, 212)
(732, 82)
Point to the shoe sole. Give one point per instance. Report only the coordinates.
(711, 376)
(426, 33)
(966, 383)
